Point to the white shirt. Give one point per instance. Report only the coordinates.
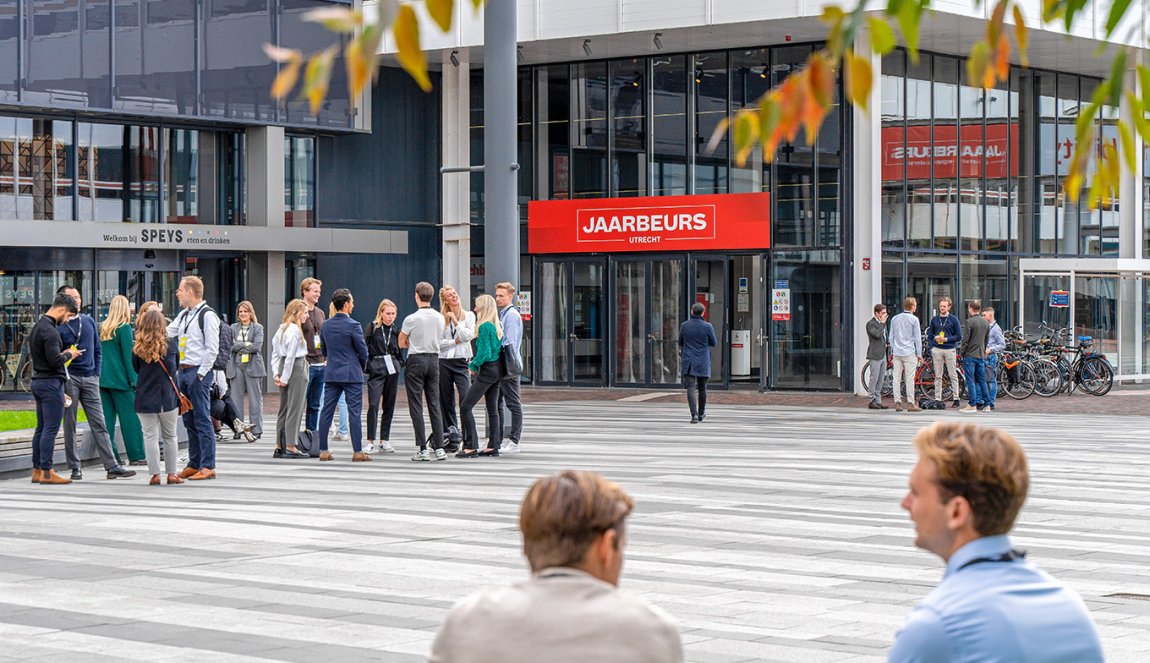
(424, 329)
(464, 331)
(288, 345)
(197, 348)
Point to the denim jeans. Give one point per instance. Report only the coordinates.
(198, 422)
(314, 396)
(991, 379)
(976, 389)
(49, 394)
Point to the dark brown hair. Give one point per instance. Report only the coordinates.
(563, 514)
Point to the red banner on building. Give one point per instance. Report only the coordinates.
(663, 223)
(977, 154)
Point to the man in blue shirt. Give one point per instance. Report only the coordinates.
(513, 361)
(995, 344)
(905, 346)
(992, 604)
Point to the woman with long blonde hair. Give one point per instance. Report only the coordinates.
(118, 380)
(487, 372)
(156, 360)
(246, 370)
(454, 353)
(383, 363)
(289, 370)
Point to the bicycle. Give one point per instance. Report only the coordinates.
(1089, 370)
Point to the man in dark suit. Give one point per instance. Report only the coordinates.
(346, 351)
(696, 338)
(876, 355)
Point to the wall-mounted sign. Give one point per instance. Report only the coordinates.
(1059, 299)
(523, 303)
(781, 301)
(664, 223)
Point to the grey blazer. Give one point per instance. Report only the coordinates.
(876, 334)
(253, 347)
(561, 615)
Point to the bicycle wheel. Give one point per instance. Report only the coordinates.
(1047, 377)
(924, 381)
(887, 384)
(1096, 376)
(25, 381)
(1023, 384)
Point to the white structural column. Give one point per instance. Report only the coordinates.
(866, 204)
(456, 207)
(1131, 304)
(264, 172)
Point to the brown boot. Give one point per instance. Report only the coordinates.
(202, 475)
(188, 471)
(360, 457)
(326, 455)
(912, 407)
(37, 474)
(174, 479)
(50, 477)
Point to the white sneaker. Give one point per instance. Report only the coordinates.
(423, 455)
(340, 437)
(440, 454)
(369, 448)
(385, 447)
(509, 448)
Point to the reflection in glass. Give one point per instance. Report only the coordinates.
(9, 56)
(666, 314)
(587, 322)
(236, 74)
(945, 163)
(589, 153)
(918, 152)
(894, 150)
(630, 321)
(67, 56)
(628, 123)
(794, 166)
(808, 346)
(299, 181)
(930, 277)
(710, 87)
(553, 138)
(1068, 106)
(35, 171)
(553, 305)
(182, 175)
(985, 279)
(155, 56)
(142, 190)
(750, 80)
(669, 125)
(972, 161)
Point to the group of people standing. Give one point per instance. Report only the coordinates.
(440, 365)
(977, 341)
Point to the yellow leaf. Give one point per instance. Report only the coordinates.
(977, 62)
(769, 116)
(1129, 153)
(410, 56)
(717, 136)
(1021, 34)
(881, 35)
(285, 80)
(441, 12)
(316, 78)
(336, 19)
(477, 4)
(859, 79)
(746, 133)
(279, 54)
(361, 59)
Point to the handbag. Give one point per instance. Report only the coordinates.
(185, 404)
(512, 364)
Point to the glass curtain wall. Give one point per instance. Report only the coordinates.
(299, 181)
(669, 126)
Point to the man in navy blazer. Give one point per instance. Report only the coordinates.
(696, 338)
(346, 351)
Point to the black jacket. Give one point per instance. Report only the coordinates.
(154, 392)
(46, 350)
(382, 341)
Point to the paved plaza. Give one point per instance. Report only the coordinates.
(769, 533)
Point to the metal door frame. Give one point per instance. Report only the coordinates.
(544, 300)
(723, 329)
(648, 261)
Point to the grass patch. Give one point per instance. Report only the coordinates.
(24, 419)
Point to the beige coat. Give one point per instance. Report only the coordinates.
(562, 615)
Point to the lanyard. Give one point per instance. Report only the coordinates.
(190, 315)
(244, 333)
(1008, 556)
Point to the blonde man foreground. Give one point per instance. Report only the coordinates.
(570, 610)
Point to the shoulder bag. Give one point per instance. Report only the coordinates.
(185, 404)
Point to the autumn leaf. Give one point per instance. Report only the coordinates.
(881, 35)
(285, 79)
(410, 56)
(336, 19)
(1021, 35)
(278, 54)
(859, 79)
(746, 133)
(977, 63)
(476, 4)
(441, 12)
(1001, 62)
(317, 76)
(1129, 153)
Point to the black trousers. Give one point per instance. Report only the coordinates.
(381, 386)
(421, 379)
(693, 383)
(485, 386)
(509, 396)
(453, 378)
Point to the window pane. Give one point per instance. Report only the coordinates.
(1023, 159)
(310, 37)
(9, 55)
(68, 54)
(589, 167)
(1067, 224)
(946, 193)
(554, 126)
(971, 161)
(894, 150)
(523, 133)
(100, 177)
(919, 153)
(629, 162)
(669, 125)
(794, 166)
(475, 112)
(930, 277)
(155, 65)
(182, 176)
(750, 80)
(236, 75)
(299, 181)
(1001, 167)
(710, 87)
(142, 185)
(35, 170)
(1052, 155)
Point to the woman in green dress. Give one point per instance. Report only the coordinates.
(118, 379)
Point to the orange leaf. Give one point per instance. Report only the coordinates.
(1021, 34)
(1001, 59)
(285, 80)
(410, 56)
(317, 76)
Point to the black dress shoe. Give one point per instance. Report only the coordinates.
(278, 453)
(694, 420)
(77, 475)
(702, 416)
(467, 454)
(489, 453)
(120, 473)
(451, 448)
(874, 406)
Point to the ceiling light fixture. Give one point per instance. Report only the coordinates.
(519, 52)
(658, 41)
(455, 58)
(587, 47)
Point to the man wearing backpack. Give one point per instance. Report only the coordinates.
(197, 330)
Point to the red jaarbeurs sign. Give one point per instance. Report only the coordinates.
(975, 154)
(661, 223)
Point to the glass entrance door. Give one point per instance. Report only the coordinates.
(807, 327)
(572, 320)
(649, 307)
(710, 290)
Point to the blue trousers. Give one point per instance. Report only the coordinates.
(198, 422)
(49, 395)
(314, 396)
(976, 388)
(991, 379)
(332, 391)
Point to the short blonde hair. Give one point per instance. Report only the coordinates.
(506, 285)
(307, 283)
(194, 284)
(563, 514)
(986, 466)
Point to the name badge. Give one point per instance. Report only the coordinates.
(318, 343)
(245, 358)
(387, 361)
(183, 347)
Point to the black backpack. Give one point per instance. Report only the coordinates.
(225, 353)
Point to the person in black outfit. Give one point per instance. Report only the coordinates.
(382, 376)
(48, 375)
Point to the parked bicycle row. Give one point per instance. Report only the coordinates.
(1010, 362)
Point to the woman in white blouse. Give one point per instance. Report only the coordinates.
(290, 370)
(454, 354)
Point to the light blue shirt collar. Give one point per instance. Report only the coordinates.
(987, 546)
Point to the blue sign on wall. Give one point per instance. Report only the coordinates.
(1059, 299)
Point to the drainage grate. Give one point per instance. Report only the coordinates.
(1130, 597)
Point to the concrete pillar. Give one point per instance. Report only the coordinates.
(456, 204)
(1131, 244)
(500, 182)
(264, 172)
(866, 201)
